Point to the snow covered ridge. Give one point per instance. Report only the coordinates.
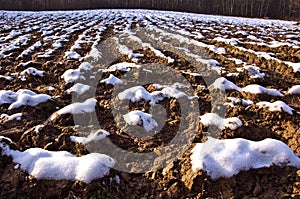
(113, 80)
(295, 90)
(135, 94)
(79, 88)
(138, 93)
(72, 75)
(276, 106)
(8, 78)
(88, 106)
(223, 84)
(123, 66)
(213, 119)
(32, 72)
(96, 136)
(253, 72)
(257, 89)
(61, 165)
(16, 116)
(235, 101)
(141, 119)
(226, 158)
(22, 97)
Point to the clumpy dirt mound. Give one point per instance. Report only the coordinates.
(119, 41)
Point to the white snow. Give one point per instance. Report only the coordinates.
(291, 36)
(94, 55)
(276, 106)
(51, 88)
(170, 91)
(253, 72)
(140, 118)
(31, 71)
(113, 80)
(148, 45)
(38, 127)
(96, 136)
(6, 77)
(232, 41)
(22, 97)
(214, 119)
(28, 99)
(252, 37)
(7, 97)
(295, 90)
(61, 165)
(223, 84)
(25, 64)
(88, 106)
(123, 66)
(244, 33)
(72, 55)
(225, 158)
(138, 93)
(257, 89)
(235, 101)
(86, 66)
(116, 179)
(57, 45)
(276, 44)
(135, 94)
(296, 66)
(157, 96)
(79, 88)
(71, 75)
(16, 116)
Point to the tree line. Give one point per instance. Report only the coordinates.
(281, 9)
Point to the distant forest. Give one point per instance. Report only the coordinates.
(281, 9)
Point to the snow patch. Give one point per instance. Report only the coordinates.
(79, 88)
(235, 101)
(71, 75)
(22, 97)
(295, 66)
(113, 80)
(86, 66)
(96, 136)
(7, 97)
(72, 55)
(295, 90)
(60, 165)
(214, 119)
(253, 72)
(257, 89)
(79, 107)
(226, 158)
(223, 84)
(135, 94)
(6, 77)
(94, 55)
(140, 118)
(124, 66)
(276, 106)
(16, 116)
(31, 71)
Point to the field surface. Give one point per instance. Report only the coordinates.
(73, 84)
